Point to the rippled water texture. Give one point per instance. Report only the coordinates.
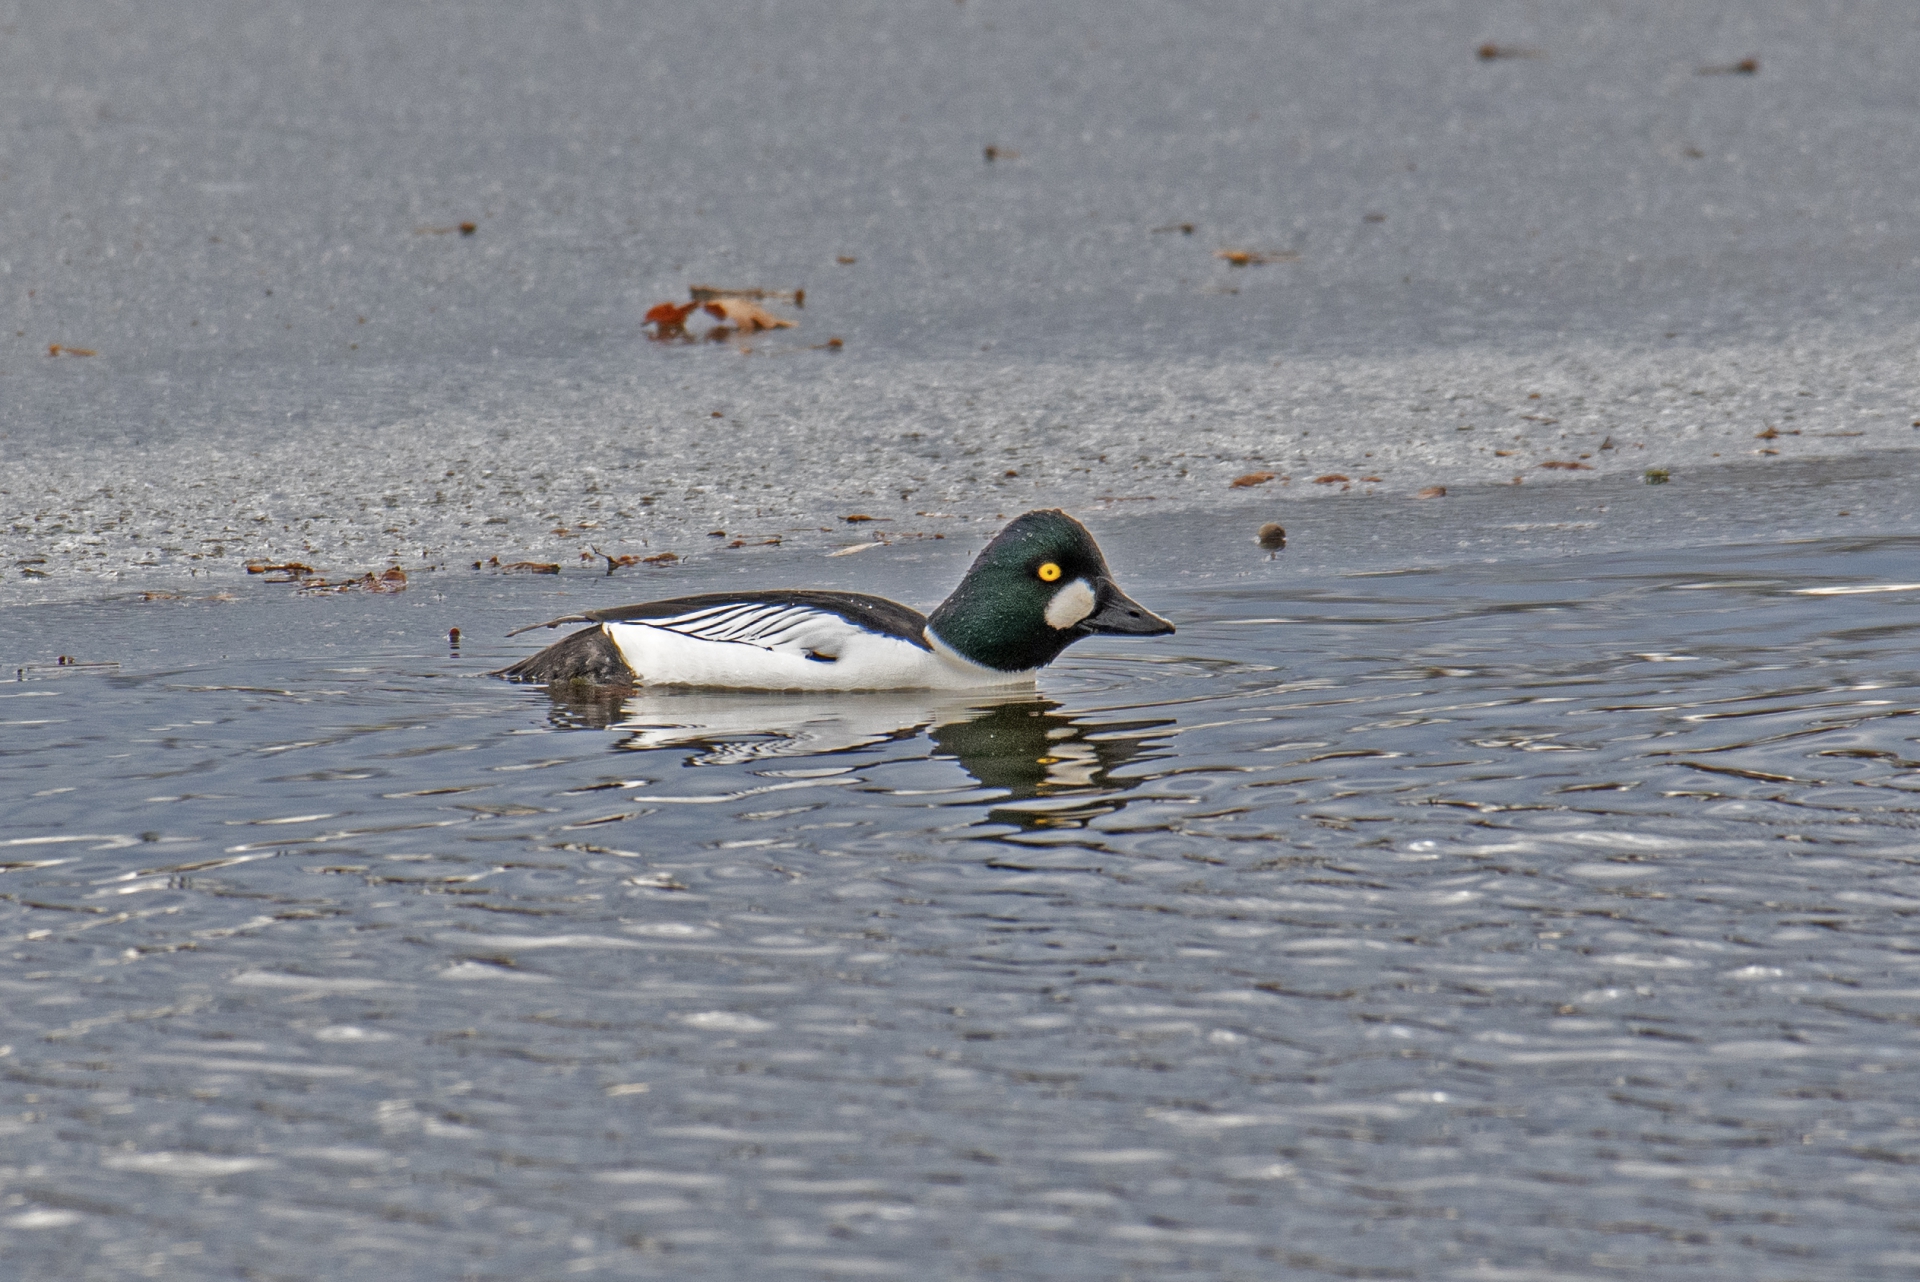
(1536, 919)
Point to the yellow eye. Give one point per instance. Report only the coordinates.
(1048, 573)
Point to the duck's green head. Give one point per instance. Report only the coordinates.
(1037, 588)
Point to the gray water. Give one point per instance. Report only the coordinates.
(1413, 913)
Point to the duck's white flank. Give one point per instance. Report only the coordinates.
(792, 648)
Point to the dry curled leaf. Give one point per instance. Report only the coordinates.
(526, 567)
(1371, 479)
(298, 568)
(61, 349)
(661, 558)
(1331, 478)
(1555, 465)
(1432, 492)
(1250, 480)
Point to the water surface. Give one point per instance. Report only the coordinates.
(1544, 917)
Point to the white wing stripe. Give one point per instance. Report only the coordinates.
(769, 626)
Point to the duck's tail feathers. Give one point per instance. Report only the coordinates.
(588, 656)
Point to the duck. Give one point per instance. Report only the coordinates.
(1038, 586)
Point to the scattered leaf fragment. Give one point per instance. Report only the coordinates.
(1272, 536)
(1250, 480)
(1747, 66)
(1556, 465)
(1255, 257)
(527, 567)
(858, 547)
(993, 153)
(1772, 433)
(1370, 479)
(467, 229)
(1432, 492)
(61, 349)
(846, 260)
(1331, 478)
(1185, 229)
(298, 568)
(661, 558)
(856, 517)
(1490, 51)
(1373, 218)
(1658, 476)
(1503, 453)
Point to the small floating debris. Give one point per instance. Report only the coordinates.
(1432, 492)
(1272, 536)
(1250, 480)
(1256, 257)
(1658, 476)
(1491, 51)
(1748, 66)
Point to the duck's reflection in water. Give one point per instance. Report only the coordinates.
(1020, 745)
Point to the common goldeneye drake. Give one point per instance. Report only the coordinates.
(1038, 587)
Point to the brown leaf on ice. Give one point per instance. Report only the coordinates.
(661, 558)
(298, 568)
(748, 317)
(1432, 492)
(1250, 480)
(1489, 51)
(1331, 478)
(669, 320)
(61, 349)
(855, 518)
(1748, 66)
(1256, 257)
(1772, 433)
(528, 567)
(1372, 479)
(1555, 465)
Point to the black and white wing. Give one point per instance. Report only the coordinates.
(809, 623)
(813, 624)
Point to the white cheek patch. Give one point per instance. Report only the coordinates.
(1070, 604)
